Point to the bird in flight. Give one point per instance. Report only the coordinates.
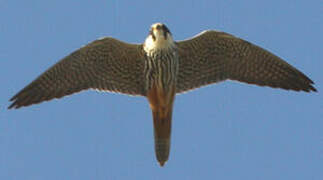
(159, 69)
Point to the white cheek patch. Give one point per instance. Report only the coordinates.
(149, 43)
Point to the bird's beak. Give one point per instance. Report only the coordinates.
(160, 30)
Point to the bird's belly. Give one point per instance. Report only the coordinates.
(161, 74)
(160, 98)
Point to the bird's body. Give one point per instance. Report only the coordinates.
(161, 72)
(161, 68)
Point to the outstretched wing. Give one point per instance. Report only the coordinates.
(106, 64)
(214, 56)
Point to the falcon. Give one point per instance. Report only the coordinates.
(159, 69)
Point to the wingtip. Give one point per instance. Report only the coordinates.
(310, 88)
(313, 88)
(12, 106)
(15, 103)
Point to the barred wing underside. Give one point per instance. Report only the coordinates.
(214, 56)
(106, 64)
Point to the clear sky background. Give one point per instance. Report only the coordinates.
(224, 131)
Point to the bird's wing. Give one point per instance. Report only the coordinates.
(106, 64)
(214, 56)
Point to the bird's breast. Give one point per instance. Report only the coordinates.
(161, 69)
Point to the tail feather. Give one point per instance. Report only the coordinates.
(161, 104)
(162, 133)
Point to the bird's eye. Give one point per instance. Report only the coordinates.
(166, 29)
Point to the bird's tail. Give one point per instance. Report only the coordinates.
(162, 132)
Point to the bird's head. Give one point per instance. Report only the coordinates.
(159, 37)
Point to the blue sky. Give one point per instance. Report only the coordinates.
(224, 131)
